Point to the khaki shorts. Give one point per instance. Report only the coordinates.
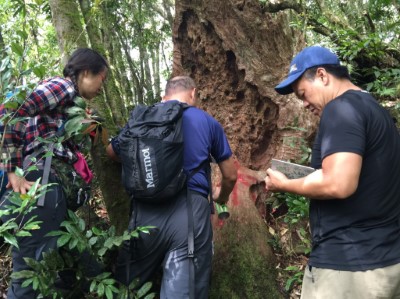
(382, 283)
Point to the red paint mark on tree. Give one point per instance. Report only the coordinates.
(234, 195)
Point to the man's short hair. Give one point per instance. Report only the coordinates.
(338, 71)
(178, 84)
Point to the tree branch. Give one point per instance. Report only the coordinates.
(370, 22)
(283, 5)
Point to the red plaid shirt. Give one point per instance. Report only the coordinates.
(42, 114)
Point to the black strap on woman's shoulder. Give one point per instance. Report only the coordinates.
(47, 166)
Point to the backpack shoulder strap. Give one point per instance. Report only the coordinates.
(47, 165)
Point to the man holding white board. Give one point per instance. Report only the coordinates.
(355, 189)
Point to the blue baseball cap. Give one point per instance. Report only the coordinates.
(307, 58)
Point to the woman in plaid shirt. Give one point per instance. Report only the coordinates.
(42, 115)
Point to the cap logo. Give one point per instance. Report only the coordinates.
(293, 68)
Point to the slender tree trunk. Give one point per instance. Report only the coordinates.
(122, 67)
(164, 58)
(168, 6)
(155, 57)
(113, 101)
(108, 172)
(133, 70)
(2, 45)
(66, 20)
(150, 99)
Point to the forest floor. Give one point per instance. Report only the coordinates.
(287, 243)
(290, 248)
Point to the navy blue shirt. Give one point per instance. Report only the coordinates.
(202, 135)
(361, 232)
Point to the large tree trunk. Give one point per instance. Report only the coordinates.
(237, 54)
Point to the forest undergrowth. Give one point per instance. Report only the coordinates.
(286, 222)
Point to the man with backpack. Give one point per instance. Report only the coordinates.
(183, 215)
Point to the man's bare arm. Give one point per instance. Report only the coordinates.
(110, 152)
(228, 180)
(338, 178)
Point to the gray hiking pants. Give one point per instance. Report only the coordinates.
(167, 246)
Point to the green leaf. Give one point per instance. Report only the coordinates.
(4, 63)
(19, 172)
(32, 225)
(55, 233)
(26, 282)
(118, 241)
(23, 233)
(289, 284)
(73, 125)
(81, 103)
(76, 111)
(97, 231)
(108, 281)
(17, 49)
(103, 276)
(23, 274)
(82, 224)
(73, 243)
(92, 241)
(35, 283)
(150, 296)
(113, 288)
(89, 234)
(144, 289)
(63, 240)
(11, 105)
(292, 268)
(93, 286)
(146, 229)
(10, 239)
(102, 251)
(72, 215)
(39, 71)
(22, 34)
(109, 293)
(34, 187)
(32, 168)
(109, 243)
(134, 234)
(100, 289)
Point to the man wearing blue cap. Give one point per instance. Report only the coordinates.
(355, 191)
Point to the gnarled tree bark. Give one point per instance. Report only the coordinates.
(237, 54)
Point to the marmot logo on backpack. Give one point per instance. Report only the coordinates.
(151, 151)
(148, 168)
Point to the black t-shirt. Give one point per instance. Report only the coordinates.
(361, 232)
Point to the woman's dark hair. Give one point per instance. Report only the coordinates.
(84, 59)
(336, 70)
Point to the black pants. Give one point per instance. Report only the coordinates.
(51, 214)
(167, 245)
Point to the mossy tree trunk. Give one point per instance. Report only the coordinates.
(111, 105)
(65, 16)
